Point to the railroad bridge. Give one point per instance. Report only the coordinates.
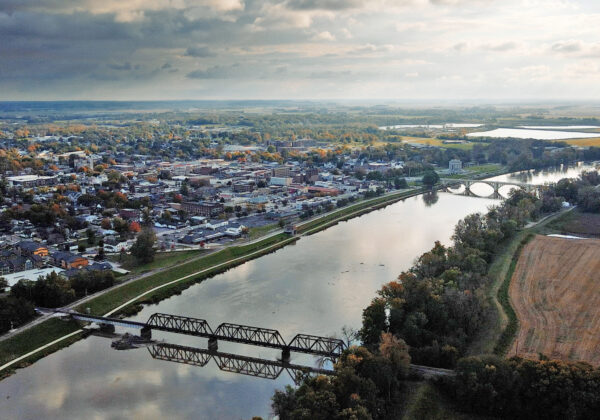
(448, 183)
(326, 347)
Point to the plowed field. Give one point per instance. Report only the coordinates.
(555, 291)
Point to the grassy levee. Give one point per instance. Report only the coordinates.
(427, 402)
(497, 318)
(355, 210)
(33, 338)
(510, 330)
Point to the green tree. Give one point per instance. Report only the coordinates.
(143, 248)
(91, 236)
(430, 178)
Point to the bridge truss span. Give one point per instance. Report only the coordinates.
(304, 343)
(264, 337)
(180, 324)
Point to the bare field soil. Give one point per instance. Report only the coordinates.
(555, 291)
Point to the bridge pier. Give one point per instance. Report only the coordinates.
(213, 344)
(107, 328)
(146, 333)
(285, 355)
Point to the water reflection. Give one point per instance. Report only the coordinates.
(430, 198)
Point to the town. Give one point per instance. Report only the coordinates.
(68, 212)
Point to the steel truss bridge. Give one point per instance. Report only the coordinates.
(448, 183)
(326, 347)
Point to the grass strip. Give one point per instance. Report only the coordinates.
(34, 338)
(510, 331)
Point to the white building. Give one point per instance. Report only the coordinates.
(455, 166)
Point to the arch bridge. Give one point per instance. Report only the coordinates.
(448, 183)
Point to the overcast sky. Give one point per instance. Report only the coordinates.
(309, 49)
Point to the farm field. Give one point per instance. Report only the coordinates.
(555, 291)
(595, 142)
(438, 142)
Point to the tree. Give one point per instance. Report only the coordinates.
(106, 224)
(134, 227)
(91, 236)
(143, 248)
(430, 178)
(400, 183)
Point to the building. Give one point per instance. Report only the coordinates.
(68, 260)
(455, 166)
(282, 172)
(281, 181)
(31, 248)
(203, 208)
(30, 181)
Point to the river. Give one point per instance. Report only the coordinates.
(315, 286)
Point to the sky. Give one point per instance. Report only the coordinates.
(300, 49)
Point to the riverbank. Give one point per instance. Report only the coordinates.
(51, 335)
(502, 323)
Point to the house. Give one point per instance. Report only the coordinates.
(30, 248)
(68, 260)
(234, 229)
(216, 223)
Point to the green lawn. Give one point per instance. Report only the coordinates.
(426, 402)
(35, 337)
(161, 260)
(257, 232)
(476, 171)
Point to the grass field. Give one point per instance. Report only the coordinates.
(555, 290)
(594, 141)
(161, 260)
(438, 142)
(576, 223)
(424, 401)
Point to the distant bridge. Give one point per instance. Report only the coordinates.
(327, 347)
(496, 185)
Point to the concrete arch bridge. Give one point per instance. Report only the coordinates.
(448, 184)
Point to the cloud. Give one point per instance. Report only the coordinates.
(567, 46)
(199, 52)
(324, 36)
(217, 72)
(124, 66)
(502, 47)
(324, 4)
